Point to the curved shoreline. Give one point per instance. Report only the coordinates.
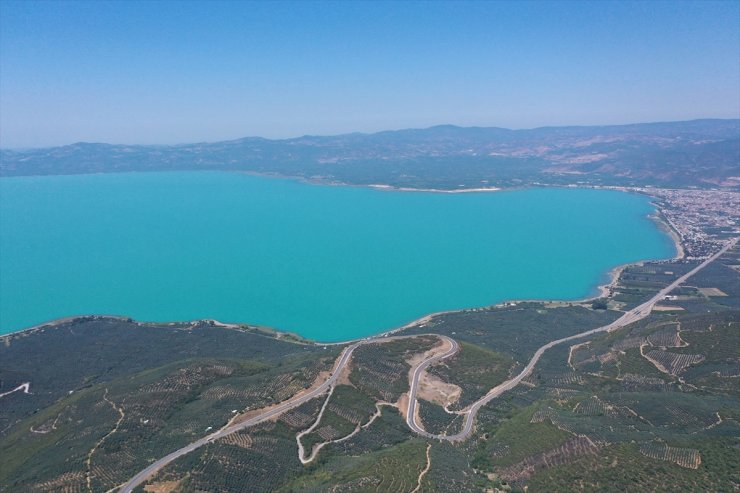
(293, 337)
(599, 291)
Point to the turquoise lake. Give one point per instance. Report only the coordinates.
(330, 263)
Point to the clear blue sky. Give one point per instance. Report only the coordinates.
(149, 72)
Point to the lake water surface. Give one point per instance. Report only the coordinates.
(330, 263)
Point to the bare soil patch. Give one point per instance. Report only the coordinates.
(343, 378)
(403, 405)
(712, 292)
(162, 487)
(666, 308)
(434, 389)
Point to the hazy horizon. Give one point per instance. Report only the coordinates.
(371, 132)
(164, 73)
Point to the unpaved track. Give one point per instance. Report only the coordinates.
(25, 387)
(301, 451)
(88, 462)
(424, 471)
(228, 430)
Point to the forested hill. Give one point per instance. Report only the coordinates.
(703, 153)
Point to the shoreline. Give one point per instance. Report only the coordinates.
(667, 226)
(601, 290)
(391, 188)
(604, 290)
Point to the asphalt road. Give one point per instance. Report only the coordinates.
(341, 362)
(631, 316)
(271, 413)
(470, 413)
(414, 387)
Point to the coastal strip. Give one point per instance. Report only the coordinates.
(470, 412)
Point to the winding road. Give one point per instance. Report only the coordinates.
(414, 386)
(268, 414)
(637, 313)
(470, 413)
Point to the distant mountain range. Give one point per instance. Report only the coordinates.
(698, 153)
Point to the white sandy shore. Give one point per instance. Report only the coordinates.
(432, 190)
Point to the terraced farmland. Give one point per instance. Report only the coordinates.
(673, 363)
(684, 457)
